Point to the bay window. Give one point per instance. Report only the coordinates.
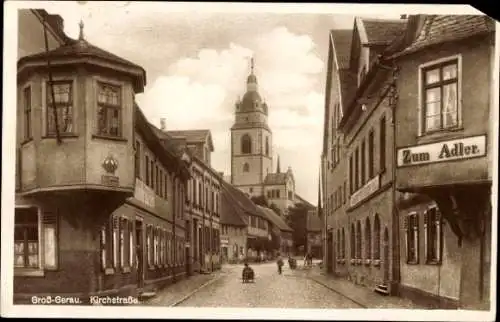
(62, 102)
(109, 110)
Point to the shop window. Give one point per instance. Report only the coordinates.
(368, 239)
(124, 244)
(411, 233)
(26, 238)
(440, 95)
(131, 252)
(353, 242)
(433, 235)
(27, 113)
(116, 241)
(359, 239)
(109, 110)
(63, 105)
(376, 237)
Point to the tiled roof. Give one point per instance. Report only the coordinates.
(241, 200)
(168, 142)
(383, 31)
(348, 86)
(313, 222)
(230, 214)
(275, 219)
(193, 135)
(56, 22)
(439, 29)
(81, 48)
(275, 178)
(342, 39)
(305, 202)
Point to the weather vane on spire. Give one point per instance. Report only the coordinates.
(81, 30)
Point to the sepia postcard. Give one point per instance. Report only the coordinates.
(249, 161)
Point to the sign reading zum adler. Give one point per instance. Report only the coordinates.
(466, 148)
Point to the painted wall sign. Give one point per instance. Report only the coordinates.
(370, 187)
(144, 193)
(460, 149)
(110, 180)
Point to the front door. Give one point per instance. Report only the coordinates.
(139, 253)
(386, 256)
(329, 253)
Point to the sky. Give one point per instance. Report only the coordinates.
(197, 61)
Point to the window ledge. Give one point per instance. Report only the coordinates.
(109, 137)
(368, 262)
(62, 136)
(438, 133)
(413, 262)
(33, 272)
(126, 270)
(109, 271)
(433, 262)
(376, 262)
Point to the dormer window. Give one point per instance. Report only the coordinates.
(63, 98)
(109, 110)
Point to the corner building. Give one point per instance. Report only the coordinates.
(444, 156)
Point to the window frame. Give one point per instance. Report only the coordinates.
(431, 65)
(412, 236)
(47, 108)
(27, 112)
(119, 107)
(39, 270)
(246, 144)
(439, 236)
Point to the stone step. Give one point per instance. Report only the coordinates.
(382, 289)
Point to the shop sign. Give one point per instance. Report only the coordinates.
(367, 190)
(224, 241)
(466, 148)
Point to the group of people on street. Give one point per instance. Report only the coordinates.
(248, 271)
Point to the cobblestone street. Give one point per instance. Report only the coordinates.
(292, 289)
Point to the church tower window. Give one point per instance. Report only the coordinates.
(246, 144)
(246, 167)
(267, 146)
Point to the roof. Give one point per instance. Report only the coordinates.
(192, 136)
(305, 202)
(348, 87)
(342, 39)
(55, 22)
(383, 31)
(275, 178)
(275, 219)
(313, 222)
(438, 29)
(241, 200)
(230, 214)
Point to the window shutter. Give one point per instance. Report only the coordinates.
(426, 234)
(439, 233)
(417, 237)
(407, 240)
(50, 247)
(131, 243)
(115, 225)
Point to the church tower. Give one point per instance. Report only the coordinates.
(251, 141)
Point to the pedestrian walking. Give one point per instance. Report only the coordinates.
(280, 263)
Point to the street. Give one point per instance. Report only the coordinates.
(292, 289)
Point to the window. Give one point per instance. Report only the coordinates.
(382, 144)
(411, 233)
(368, 239)
(147, 170)
(371, 147)
(125, 233)
(440, 96)
(63, 104)
(137, 157)
(116, 242)
(26, 238)
(345, 191)
(131, 252)
(27, 113)
(278, 194)
(338, 149)
(333, 157)
(267, 146)
(351, 170)
(338, 243)
(161, 185)
(343, 243)
(152, 174)
(353, 242)
(246, 144)
(363, 163)
(433, 235)
(109, 110)
(359, 239)
(165, 188)
(376, 238)
(149, 244)
(356, 169)
(246, 167)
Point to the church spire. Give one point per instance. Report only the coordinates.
(278, 170)
(252, 79)
(80, 36)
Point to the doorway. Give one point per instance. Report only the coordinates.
(329, 253)
(139, 253)
(386, 256)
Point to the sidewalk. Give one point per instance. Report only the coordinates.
(178, 292)
(359, 294)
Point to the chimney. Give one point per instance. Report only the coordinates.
(404, 17)
(163, 125)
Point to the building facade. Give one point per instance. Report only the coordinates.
(444, 156)
(82, 223)
(203, 199)
(313, 239)
(360, 244)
